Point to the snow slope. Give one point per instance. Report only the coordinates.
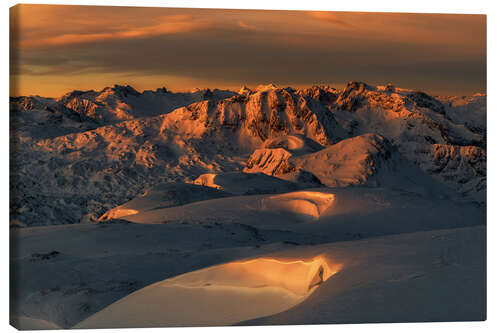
(162, 196)
(369, 211)
(64, 274)
(432, 276)
(207, 297)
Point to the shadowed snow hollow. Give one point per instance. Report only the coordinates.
(28, 323)
(163, 196)
(297, 144)
(218, 295)
(239, 183)
(304, 202)
(265, 210)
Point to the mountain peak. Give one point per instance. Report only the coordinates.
(357, 86)
(266, 87)
(244, 90)
(158, 136)
(124, 90)
(73, 94)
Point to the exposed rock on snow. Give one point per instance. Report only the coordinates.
(467, 110)
(244, 91)
(367, 160)
(221, 196)
(461, 167)
(79, 111)
(75, 155)
(272, 162)
(412, 121)
(267, 113)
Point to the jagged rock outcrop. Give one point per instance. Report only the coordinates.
(324, 94)
(89, 151)
(366, 160)
(272, 162)
(268, 113)
(412, 121)
(79, 111)
(461, 167)
(28, 103)
(469, 111)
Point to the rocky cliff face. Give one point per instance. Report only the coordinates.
(270, 161)
(463, 168)
(365, 160)
(415, 123)
(75, 157)
(79, 111)
(253, 118)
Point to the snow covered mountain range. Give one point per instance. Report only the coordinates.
(150, 209)
(77, 157)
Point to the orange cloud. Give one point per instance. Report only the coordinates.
(36, 28)
(246, 26)
(241, 46)
(170, 25)
(425, 29)
(331, 18)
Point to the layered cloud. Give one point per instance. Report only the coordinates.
(163, 26)
(42, 26)
(150, 47)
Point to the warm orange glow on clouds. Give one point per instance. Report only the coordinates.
(160, 26)
(59, 48)
(246, 26)
(332, 18)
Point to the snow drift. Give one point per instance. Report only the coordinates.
(162, 196)
(218, 295)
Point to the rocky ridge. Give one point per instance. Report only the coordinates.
(77, 156)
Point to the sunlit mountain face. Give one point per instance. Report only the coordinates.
(98, 149)
(286, 187)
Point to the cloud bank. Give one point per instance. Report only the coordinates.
(58, 48)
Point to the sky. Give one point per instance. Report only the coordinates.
(55, 49)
